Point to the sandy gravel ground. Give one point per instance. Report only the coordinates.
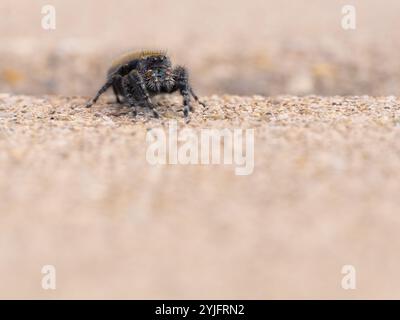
(77, 192)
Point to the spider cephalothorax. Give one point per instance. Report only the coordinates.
(137, 76)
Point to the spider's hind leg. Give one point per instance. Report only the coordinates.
(182, 84)
(196, 97)
(110, 81)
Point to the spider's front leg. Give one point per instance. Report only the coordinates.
(136, 92)
(116, 93)
(181, 78)
(128, 94)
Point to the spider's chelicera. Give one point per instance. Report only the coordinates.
(137, 76)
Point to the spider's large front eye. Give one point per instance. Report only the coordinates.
(149, 73)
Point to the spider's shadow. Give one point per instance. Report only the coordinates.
(163, 105)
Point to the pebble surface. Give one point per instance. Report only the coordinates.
(76, 191)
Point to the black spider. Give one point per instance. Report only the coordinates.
(137, 76)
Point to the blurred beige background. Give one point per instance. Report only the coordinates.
(257, 47)
(77, 193)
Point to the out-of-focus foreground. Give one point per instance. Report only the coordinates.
(78, 193)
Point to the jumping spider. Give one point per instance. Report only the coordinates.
(137, 76)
